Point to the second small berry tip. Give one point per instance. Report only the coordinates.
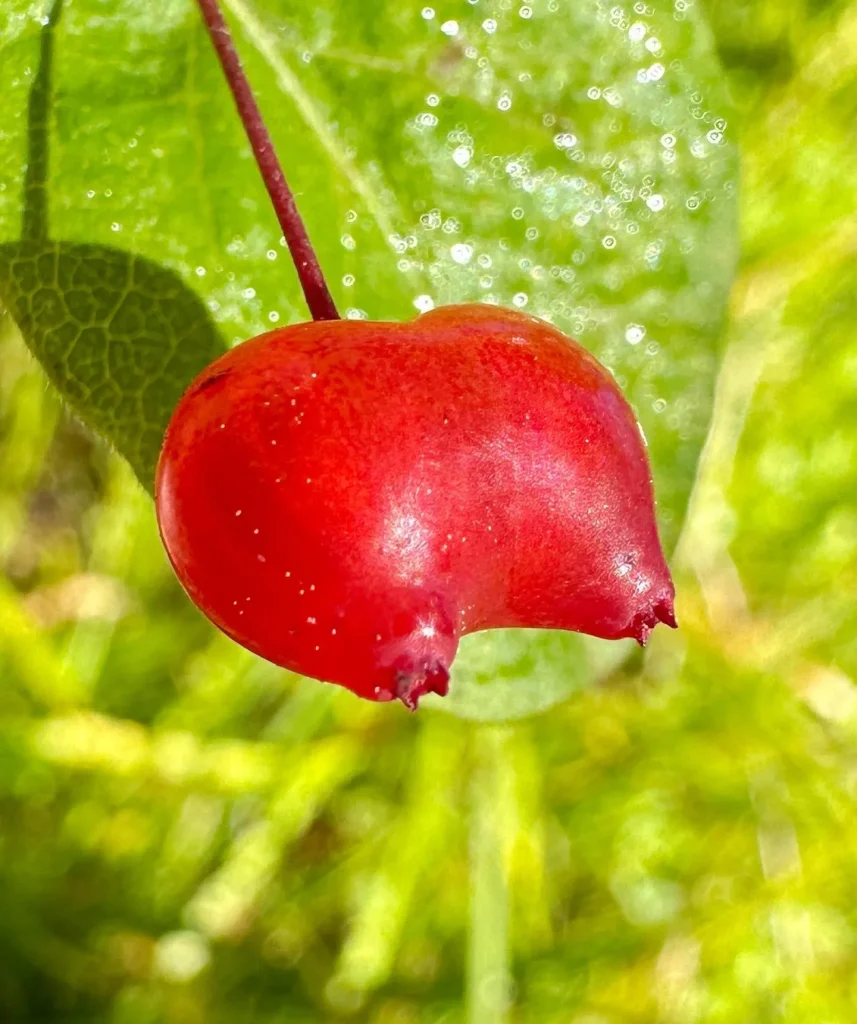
(644, 623)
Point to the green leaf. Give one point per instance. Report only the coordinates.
(571, 159)
(119, 335)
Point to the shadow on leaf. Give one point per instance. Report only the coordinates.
(119, 336)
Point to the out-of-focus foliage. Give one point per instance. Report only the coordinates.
(189, 835)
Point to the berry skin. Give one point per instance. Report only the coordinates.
(349, 498)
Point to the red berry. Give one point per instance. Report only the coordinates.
(348, 498)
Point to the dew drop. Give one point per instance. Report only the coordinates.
(461, 253)
(462, 155)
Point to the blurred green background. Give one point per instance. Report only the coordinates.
(595, 837)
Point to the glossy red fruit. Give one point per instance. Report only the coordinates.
(348, 498)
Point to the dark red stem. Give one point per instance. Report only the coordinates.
(318, 298)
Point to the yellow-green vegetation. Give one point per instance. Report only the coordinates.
(595, 836)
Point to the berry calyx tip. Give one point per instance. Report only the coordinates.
(415, 682)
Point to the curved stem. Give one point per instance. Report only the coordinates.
(315, 290)
(488, 974)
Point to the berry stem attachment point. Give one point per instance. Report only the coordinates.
(318, 298)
